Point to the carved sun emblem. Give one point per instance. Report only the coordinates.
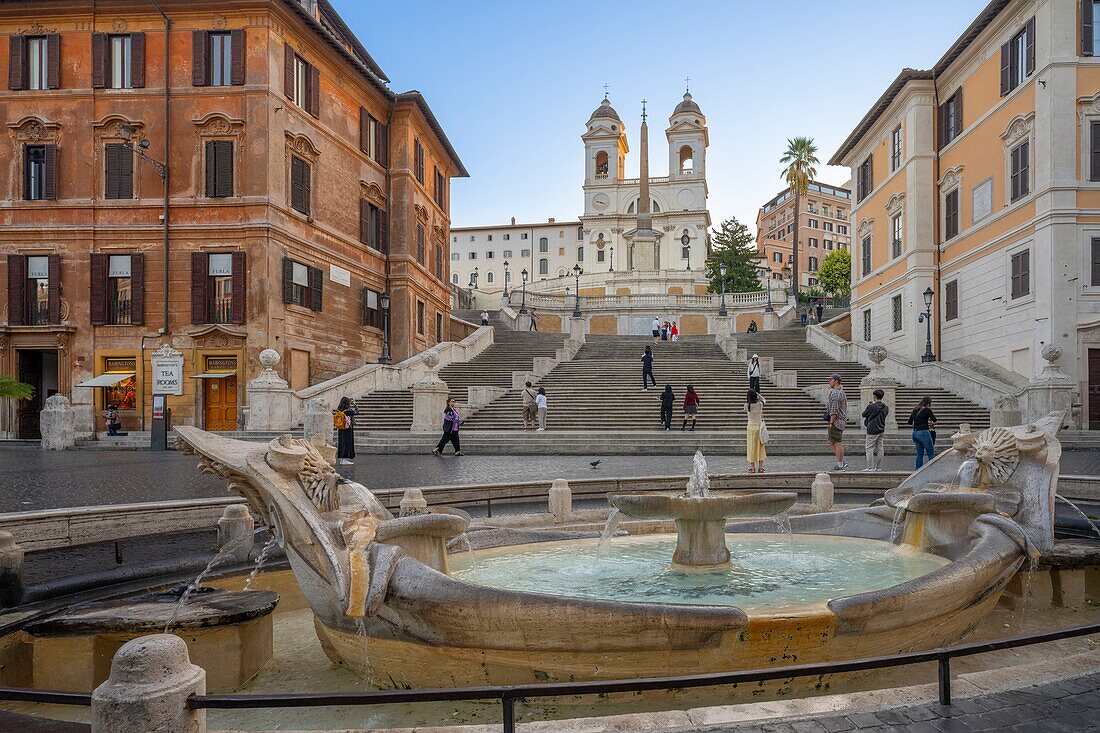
(997, 452)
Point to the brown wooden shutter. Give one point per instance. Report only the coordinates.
(99, 60)
(137, 60)
(17, 283)
(1030, 45)
(363, 305)
(110, 183)
(364, 221)
(296, 190)
(383, 231)
(1086, 28)
(211, 168)
(1006, 68)
(53, 289)
(288, 71)
(137, 289)
(941, 126)
(959, 124)
(199, 311)
(17, 55)
(53, 61)
(239, 284)
(126, 172)
(316, 285)
(223, 171)
(288, 280)
(307, 183)
(97, 294)
(199, 49)
(237, 57)
(870, 173)
(1095, 262)
(364, 130)
(50, 178)
(383, 145)
(314, 91)
(1094, 174)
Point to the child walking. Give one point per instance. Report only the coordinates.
(691, 407)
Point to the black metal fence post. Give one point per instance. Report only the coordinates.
(945, 679)
(508, 706)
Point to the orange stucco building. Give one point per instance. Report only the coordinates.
(980, 180)
(298, 189)
(822, 230)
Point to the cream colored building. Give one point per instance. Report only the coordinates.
(980, 179)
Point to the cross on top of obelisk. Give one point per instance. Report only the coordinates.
(643, 110)
(605, 87)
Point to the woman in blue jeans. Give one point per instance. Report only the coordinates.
(923, 421)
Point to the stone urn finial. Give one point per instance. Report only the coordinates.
(1051, 353)
(877, 354)
(269, 359)
(268, 378)
(430, 358)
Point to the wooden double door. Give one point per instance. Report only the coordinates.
(220, 402)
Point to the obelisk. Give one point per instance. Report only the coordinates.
(644, 246)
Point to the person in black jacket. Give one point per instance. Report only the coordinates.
(344, 422)
(647, 368)
(667, 400)
(874, 421)
(923, 421)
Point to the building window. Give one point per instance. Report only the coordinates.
(217, 287)
(580, 254)
(39, 164)
(220, 287)
(812, 223)
(951, 300)
(601, 164)
(544, 266)
(813, 241)
(601, 256)
(1018, 58)
(1094, 143)
(420, 245)
(489, 255)
(951, 215)
(119, 173)
(454, 278)
(685, 253)
(895, 148)
(420, 317)
(895, 242)
(523, 236)
(38, 63)
(580, 234)
(867, 325)
(507, 252)
(219, 168)
(438, 327)
(302, 284)
(525, 253)
(895, 306)
(1095, 280)
(440, 189)
(489, 277)
(221, 59)
(473, 255)
(813, 264)
(372, 311)
(544, 244)
(777, 257)
(865, 178)
(418, 161)
(38, 291)
(120, 62)
(841, 228)
(1090, 28)
(374, 138)
(1020, 171)
(1021, 274)
(828, 244)
(828, 226)
(950, 118)
(455, 256)
(119, 290)
(438, 262)
(300, 184)
(866, 256)
(217, 59)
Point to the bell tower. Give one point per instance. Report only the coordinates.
(687, 141)
(605, 146)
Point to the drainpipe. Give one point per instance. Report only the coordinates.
(387, 341)
(165, 329)
(936, 279)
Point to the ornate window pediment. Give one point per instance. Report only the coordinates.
(1019, 128)
(218, 125)
(1088, 105)
(301, 146)
(895, 204)
(34, 131)
(110, 128)
(372, 192)
(865, 228)
(951, 178)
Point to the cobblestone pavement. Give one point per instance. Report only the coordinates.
(31, 479)
(1069, 705)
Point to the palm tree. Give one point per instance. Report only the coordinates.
(9, 387)
(800, 159)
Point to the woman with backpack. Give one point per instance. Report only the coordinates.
(755, 452)
(647, 368)
(691, 407)
(451, 422)
(343, 420)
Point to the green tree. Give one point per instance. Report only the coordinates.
(835, 273)
(735, 248)
(800, 159)
(9, 387)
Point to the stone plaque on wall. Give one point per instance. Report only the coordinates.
(983, 199)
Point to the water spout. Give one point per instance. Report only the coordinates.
(265, 553)
(969, 475)
(465, 537)
(224, 554)
(613, 520)
(699, 483)
(1074, 507)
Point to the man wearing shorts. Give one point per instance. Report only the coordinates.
(838, 420)
(530, 410)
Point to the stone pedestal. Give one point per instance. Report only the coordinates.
(429, 397)
(785, 378)
(151, 679)
(519, 379)
(317, 420)
(1006, 412)
(543, 365)
(578, 329)
(11, 571)
(561, 500)
(235, 532)
(728, 345)
(270, 399)
(1052, 390)
(767, 365)
(413, 503)
(723, 326)
(889, 389)
(821, 493)
(58, 424)
(771, 321)
(478, 397)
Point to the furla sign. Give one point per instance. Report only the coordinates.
(167, 371)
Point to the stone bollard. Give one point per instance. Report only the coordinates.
(543, 365)
(317, 420)
(58, 424)
(237, 527)
(151, 679)
(578, 329)
(11, 571)
(561, 500)
(413, 503)
(821, 493)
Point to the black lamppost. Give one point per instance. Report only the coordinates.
(577, 295)
(722, 283)
(685, 240)
(473, 279)
(385, 358)
(612, 268)
(766, 278)
(505, 278)
(523, 300)
(926, 318)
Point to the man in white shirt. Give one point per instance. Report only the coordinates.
(484, 318)
(656, 329)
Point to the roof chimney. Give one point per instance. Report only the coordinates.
(513, 221)
(550, 220)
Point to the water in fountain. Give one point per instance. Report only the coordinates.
(613, 520)
(367, 672)
(899, 510)
(969, 475)
(469, 547)
(1080, 513)
(265, 553)
(699, 483)
(224, 554)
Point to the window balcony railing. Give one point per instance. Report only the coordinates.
(221, 310)
(119, 313)
(38, 314)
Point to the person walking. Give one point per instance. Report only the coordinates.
(804, 315)
(836, 414)
(647, 368)
(923, 421)
(534, 324)
(753, 370)
(343, 419)
(451, 422)
(530, 411)
(540, 404)
(755, 452)
(664, 331)
(484, 318)
(656, 329)
(691, 407)
(110, 416)
(667, 399)
(874, 422)
(820, 308)
(675, 332)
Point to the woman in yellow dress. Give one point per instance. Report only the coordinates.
(754, 447)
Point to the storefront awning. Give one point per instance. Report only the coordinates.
(214, 375)
(106, 380)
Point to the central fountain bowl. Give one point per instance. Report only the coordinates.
(701, 520)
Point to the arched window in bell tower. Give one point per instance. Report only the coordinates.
(687, 159)
(601, 164)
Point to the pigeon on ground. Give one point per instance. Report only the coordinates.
(594, 464)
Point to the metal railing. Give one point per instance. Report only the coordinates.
(119, 312)
(508, 695)
(38, 314)
(636, 300)
(221, 310)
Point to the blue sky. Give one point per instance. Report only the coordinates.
(514, 82)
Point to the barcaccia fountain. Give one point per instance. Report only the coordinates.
(387, 595)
